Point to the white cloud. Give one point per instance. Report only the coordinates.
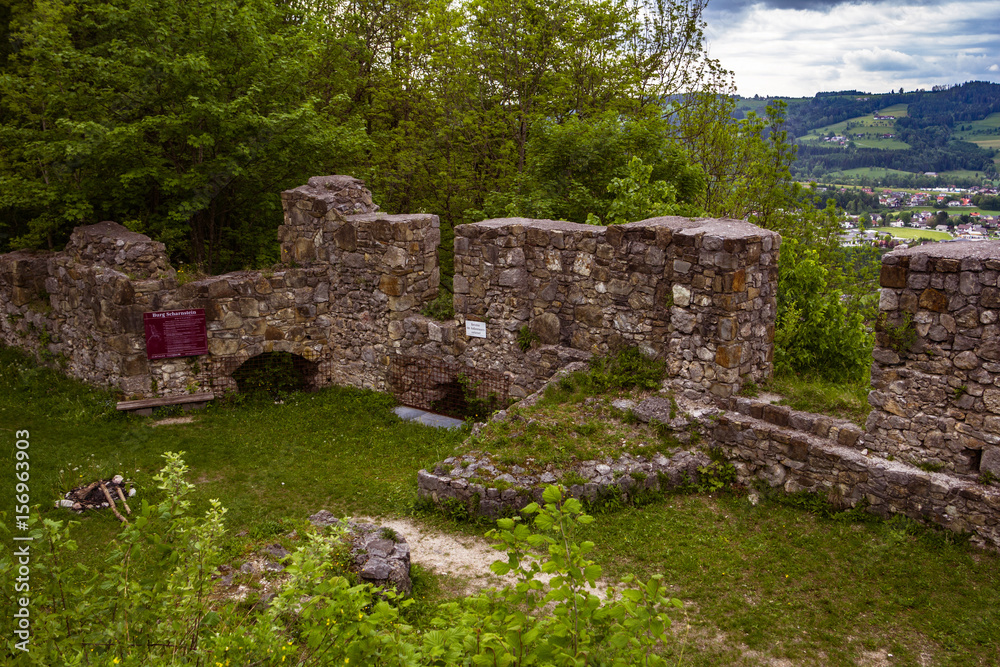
(880, 60)
(868, 47)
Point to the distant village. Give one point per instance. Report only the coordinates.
(949, 201)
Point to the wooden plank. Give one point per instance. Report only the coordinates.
(180, 399)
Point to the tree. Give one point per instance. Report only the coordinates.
(182, 119)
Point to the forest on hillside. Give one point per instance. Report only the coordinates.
(930, 128)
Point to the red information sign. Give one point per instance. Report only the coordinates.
(175, 333)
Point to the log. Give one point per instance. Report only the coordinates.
(111, 503)
(180, 399)
(124, 502)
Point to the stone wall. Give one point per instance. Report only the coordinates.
(936, 402)
(339, 304)
(806, 452)
(767, 444)
(699, 293)
(347, 300)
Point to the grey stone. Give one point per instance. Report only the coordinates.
(547, 327)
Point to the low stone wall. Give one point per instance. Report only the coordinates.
(475, 482)
(830, 461)
(936, 401)
(783, 448)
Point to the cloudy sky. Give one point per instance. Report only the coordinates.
(800, 47)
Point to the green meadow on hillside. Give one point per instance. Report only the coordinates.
(864, 130)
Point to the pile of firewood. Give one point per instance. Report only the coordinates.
(103, 493)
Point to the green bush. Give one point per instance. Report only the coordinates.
(816, 333)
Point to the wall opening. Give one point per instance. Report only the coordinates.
(448, 389)
(275, 374)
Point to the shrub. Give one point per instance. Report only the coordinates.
(815, 331)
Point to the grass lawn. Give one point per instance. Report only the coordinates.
(771, 583)
(871, 172)
(340, 449)
(913, 233)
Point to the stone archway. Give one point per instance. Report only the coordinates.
(293, 365)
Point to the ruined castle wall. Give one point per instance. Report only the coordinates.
(936, 371)
(700, 294)
(81, 308)
(340, 306)
(799, 451)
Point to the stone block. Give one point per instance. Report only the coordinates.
(990, 297)
(728, 356)
(592, 315)
(934, 300)
(893, 276)
(391, 285)
(991, 461)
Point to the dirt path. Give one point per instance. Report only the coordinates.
(464, 559)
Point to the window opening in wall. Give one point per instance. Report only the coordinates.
(448, 389)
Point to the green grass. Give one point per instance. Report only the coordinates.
(871, 172)
(775, 583)
(987, 129)
(848, 400)
(569, 424)
(913, 233)
(961, 173)
(339, 449)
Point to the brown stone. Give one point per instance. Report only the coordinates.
(391, 285)
(739, 280)
(135, 365)
(990, 298)
(728, 356)
(346, 237)
(591, 315)
(220, 289)
(931, 299)
(893, 276)
(273, 333)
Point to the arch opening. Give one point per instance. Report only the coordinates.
(275, 374)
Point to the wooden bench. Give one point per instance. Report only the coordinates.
(187, 402)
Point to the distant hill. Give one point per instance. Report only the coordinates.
(953, 132)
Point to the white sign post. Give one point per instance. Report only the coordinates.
(475, 329)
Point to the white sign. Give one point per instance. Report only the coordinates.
(475, 329)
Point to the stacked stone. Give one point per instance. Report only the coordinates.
(803, 461)
(937, 402)
(841, 431)
(83, 307)
(382, 269)
(476, 483)
(700, 293)
(112, 245)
